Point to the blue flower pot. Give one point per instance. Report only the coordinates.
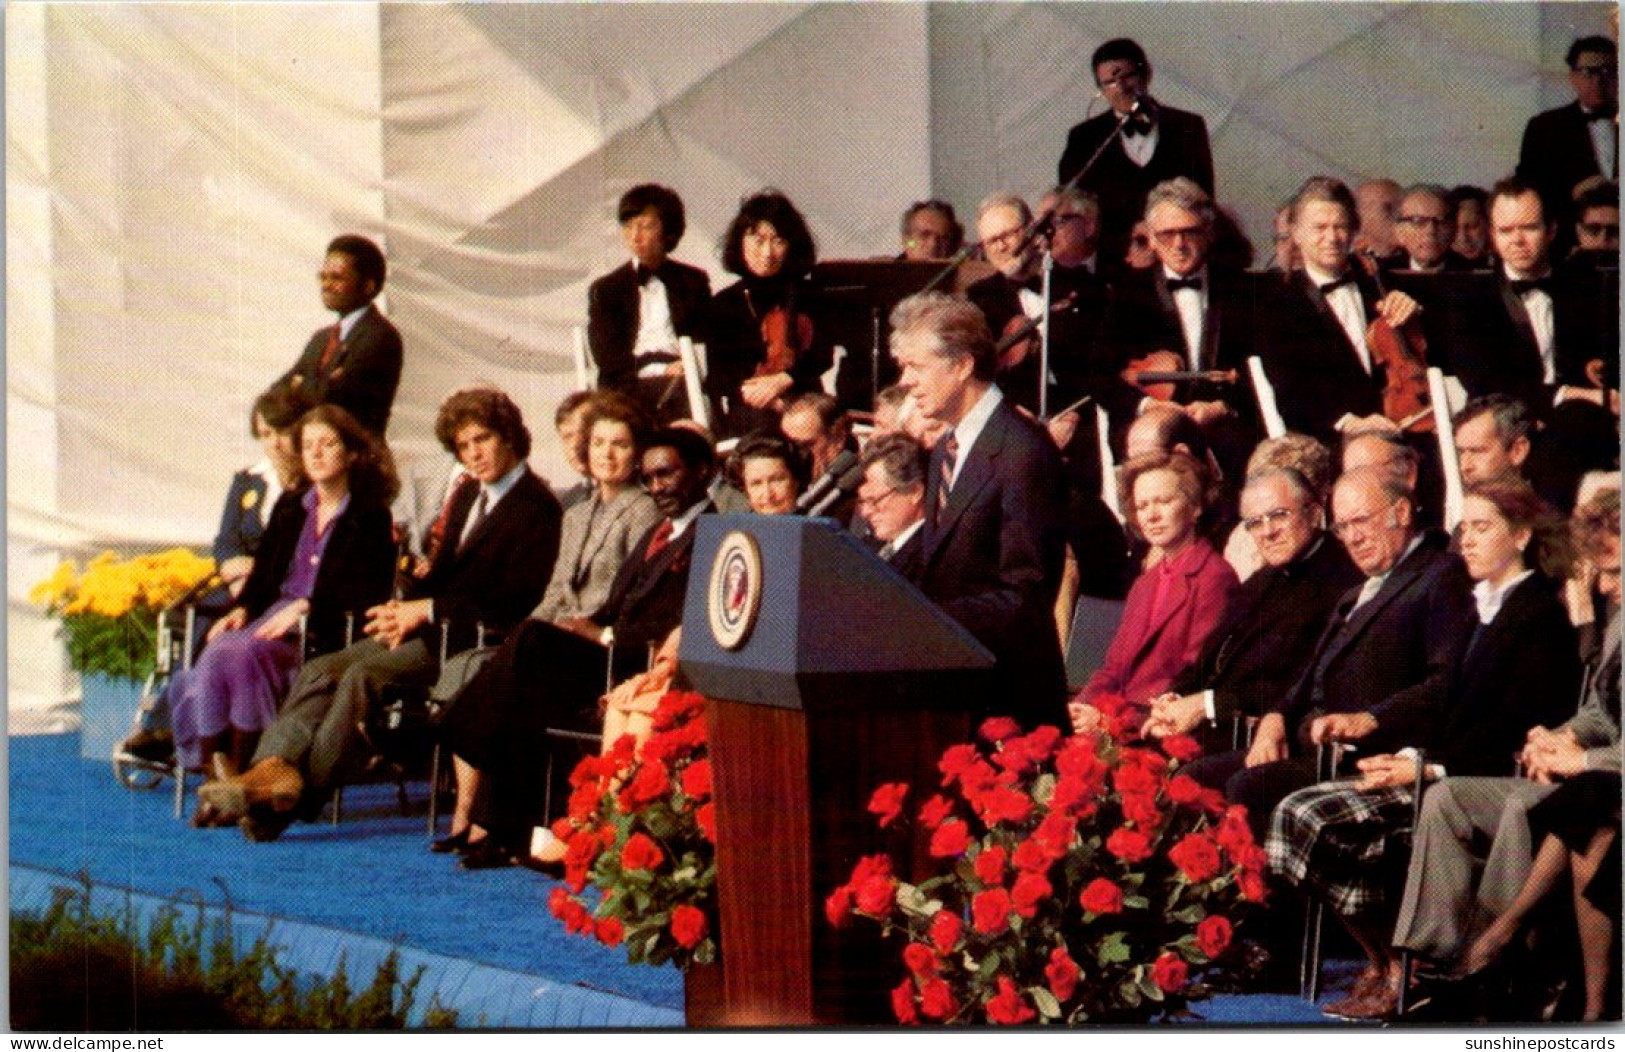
(107, 714)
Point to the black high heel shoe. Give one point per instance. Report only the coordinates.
(456, 842)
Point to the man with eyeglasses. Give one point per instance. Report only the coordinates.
(1425, 228)
(1383, 663)
(1596, 228)
(1156, 143)
(892, 499)
(1269, 629)
(1563, 146)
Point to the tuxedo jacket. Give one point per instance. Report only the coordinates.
(1119, 183)
(1309, 360)
(1556, 153)
(1268, 633)
(612, 316)
(1520, 671)
(356, 572)
(1141, 318)
(992, 559)
(646, 599)
(496, 576)
(1147, 650)
(1076, 366)
(1396, 656)
(362, 376)
(597, 539)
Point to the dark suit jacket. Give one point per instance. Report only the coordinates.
(908, 559)
(612, 316)
(497, 576)
(357, 569)
(1120, 184)
(1557, 153)
(993, 557)
(1520, 671)
(243, 518)
(737, 348)
(363, 375)
(646, 601)
(1315, 370)
(1396, 656)
(1268, 633)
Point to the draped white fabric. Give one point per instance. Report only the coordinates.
(173, 172)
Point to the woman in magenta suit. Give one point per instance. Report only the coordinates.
(1178, 598)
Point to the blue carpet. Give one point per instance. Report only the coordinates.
(490, 948)
(370, 876)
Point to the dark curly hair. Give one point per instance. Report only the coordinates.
(617, 407)
(769, 206)
(487, 407)
(764, 446)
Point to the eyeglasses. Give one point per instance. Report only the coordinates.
(1274, 517)
(1433, 221)
(1008, 239)
(870, 503)
(1178, 233)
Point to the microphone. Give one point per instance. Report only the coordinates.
(830, 478)
(848, 483)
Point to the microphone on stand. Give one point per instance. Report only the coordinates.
(831, 477)
(848, 483)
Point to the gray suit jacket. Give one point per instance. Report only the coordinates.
(1596, 724)
(596, 540)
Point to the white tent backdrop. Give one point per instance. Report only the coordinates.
(173, 172)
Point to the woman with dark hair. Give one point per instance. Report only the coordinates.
(1177, 600)
(1518, 672)
(255, 490)
(766, 345)
(328, 551)
(771, 472)
(597, 536)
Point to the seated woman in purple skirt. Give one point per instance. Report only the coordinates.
(328, 551)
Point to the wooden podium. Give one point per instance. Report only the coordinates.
(827, 675)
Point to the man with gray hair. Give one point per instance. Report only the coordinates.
(995, 506)
(1425, 228)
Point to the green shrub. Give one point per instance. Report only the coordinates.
(75, 970)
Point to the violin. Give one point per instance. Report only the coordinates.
(1402, 354)
(1019, 337)
(1157, 374)
(785, 334)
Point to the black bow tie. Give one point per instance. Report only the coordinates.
(1336, 283)
(1524, 288)
(1175, 284)
(643, 274)
(1605, 112)
(1137, 124)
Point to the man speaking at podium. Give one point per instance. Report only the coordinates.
(995, 515)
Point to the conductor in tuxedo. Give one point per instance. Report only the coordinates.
(995, 532)
(502, 536)
(355, 362)
(1563, 146)
(1158, 143)
(637, 312)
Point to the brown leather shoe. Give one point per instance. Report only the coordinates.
(224, 802)
(1379, 1004)
(273, 782)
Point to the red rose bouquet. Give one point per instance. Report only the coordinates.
(1085, 881)
(640, 828)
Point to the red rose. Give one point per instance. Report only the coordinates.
(887, 802)
(1041, 743)
(677, 707)
(875, 896)
(1141, 809)
(1169, 972)
(1028, 893)
(870, 866)
(621, 752)
(1213, 936)
(1054, 834)
(563, 828)
(919, 959)
(1108, 704)
(935, 810)
(1234, 834)
(1197, 857)
(950, 840)
(1136, 778)
(990, 911)
(558, 901)
(1062, 974)
(955, 760)
(1030, 857)
(697, 779)
(584, 801)
(1071, 792)
(688, 926)
(651, 783)
(902, 1002)
(977, 778)
(641, 853)
(610, 931)
(1125, 726)
(706, 817)
(838, 907)
(1102, 896)
(1252, 886)
(1129, 845)
(607, 835)
(587, 771)
(936, 999)
(1078, 759)
(990, 865)
(1000, 804)
(1182, 747)
(998, 728)
(1213, 801)
(1008, 1007)
(1184, 790)
(579, 851)
(945, 929)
